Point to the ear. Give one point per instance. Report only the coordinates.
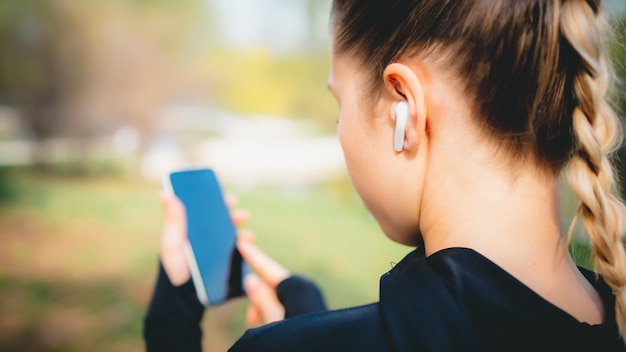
(402, 83)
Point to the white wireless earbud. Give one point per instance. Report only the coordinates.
(402, 117)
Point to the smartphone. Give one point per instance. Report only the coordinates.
(217, 268)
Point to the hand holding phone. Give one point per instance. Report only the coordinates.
(174, 241)
(216, 266)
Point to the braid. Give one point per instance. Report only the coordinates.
(597, 133)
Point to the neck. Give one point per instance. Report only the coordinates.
(513, 219)
(516, 223)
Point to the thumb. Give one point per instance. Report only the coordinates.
(173, 240)
(175, 222)
(264, 299)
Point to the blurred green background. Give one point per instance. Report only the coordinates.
(99, 98)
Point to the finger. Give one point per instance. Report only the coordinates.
(245, 235)
(174, 230)
(174, 239)
(253, 316)
(231, 200)
(264, 299)
(172, 205)
(268, 269)
(166, 198)
(240, 217)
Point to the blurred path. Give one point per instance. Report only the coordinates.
(251, 150)
(248, 150)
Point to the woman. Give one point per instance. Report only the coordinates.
(457, 119)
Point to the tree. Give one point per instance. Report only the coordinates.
(35, 74)
(79, 68)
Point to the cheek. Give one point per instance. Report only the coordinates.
(353, 138)
(362, 157)
(345, 131)
(349, 145)
(389, 195)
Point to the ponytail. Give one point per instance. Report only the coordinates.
(597, 132)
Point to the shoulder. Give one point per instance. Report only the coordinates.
(359, 328)
(501, 309)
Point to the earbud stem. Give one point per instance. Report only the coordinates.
(402, 117)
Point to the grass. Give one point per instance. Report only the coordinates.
(76, 264)
(79, 256)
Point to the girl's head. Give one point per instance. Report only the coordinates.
(527, 78)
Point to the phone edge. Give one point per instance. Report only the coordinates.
(196, 277)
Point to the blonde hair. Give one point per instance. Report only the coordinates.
(589, 172)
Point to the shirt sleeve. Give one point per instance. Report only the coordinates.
(300, 296)
(172, 322)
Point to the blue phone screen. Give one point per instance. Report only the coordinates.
(211, 233)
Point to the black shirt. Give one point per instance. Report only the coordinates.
(454, 300)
